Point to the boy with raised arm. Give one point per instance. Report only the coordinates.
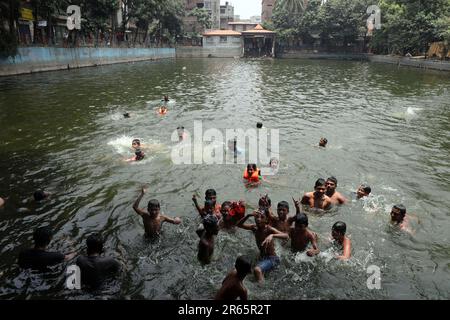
(152, 217)
(264, 235)
(301, 236)
(210, 194)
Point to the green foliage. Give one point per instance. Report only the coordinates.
(203, 17)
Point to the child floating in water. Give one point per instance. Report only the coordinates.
(165, 98)
(252, 175)
(138, 153)
(323, 142)
(364, 190)
(207, 233)
(338, 233)
(152, 217)
(162, 110)
(233, 286)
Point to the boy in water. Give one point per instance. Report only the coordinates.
(323, 142)
(207, 234)
(252, 175)
(233, 284)
(363, 191)
(232, 213)
(38, 258)
(40, 195)
(210, 194)
(95, 268)
(282, 222)
(336, 197)
(138, 153)
(400, 218)
(317, 199)
(166, 98)
(152, 217)
(264, 235)
(301, 236)
(338, 233)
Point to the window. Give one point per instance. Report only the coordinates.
(209, 39)
(223, 39)
(222, 11)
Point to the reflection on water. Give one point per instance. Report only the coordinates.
(65, 132)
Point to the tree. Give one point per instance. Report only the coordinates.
(293, 6)
(203, 17)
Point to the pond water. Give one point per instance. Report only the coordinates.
(388, 127)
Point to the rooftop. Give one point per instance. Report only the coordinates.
(222, 33)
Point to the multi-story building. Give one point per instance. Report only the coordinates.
(212, 6)
(226, 15)
(267, 9)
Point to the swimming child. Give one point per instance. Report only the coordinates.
(317, 199)
(252, 175)
(264, 235)
(165, 98)
(162, 110)
(152, 217)
(40, 195)
(338, 233)
(233, 284)
(301, 236)
(400, 218)
(207, 233)
(364, 190)
(126, 115)
(323, 142)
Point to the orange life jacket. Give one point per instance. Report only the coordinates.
(254, 177)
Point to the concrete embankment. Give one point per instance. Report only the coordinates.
(201, 52)
(396, 60)
(39, 59)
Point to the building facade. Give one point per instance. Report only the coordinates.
(267, 10)
(226, 15)
(191, 24)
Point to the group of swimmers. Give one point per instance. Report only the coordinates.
(231, 215)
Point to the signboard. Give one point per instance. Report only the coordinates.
(42, 23)
(26, 14)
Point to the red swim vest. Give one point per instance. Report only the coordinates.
(237, 211)
(254, 177)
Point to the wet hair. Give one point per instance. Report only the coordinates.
(340, 227)
(94, 244)
(209, 193)
(226, 203)
(325, 140)
(259, 125)
(126, 115)
(42, 236)
(283, 204)
(136, 141)
(367, 189)
(39, 195)
(401, 208)
(319, 182)
(243, 265)
(301, 219)
(252, 166)
(333, 179)
(153, 204)
(210, 221)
